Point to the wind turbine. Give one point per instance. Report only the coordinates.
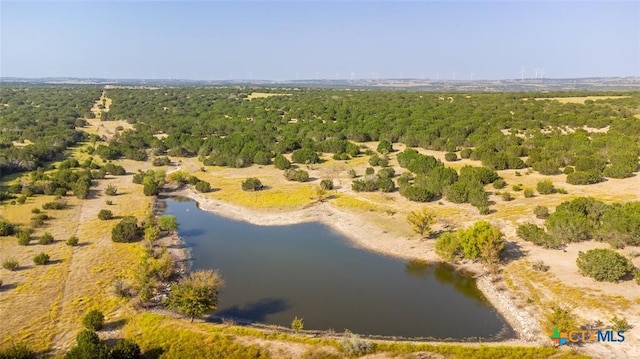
(454, 73)
(472, 75)
(522, 73)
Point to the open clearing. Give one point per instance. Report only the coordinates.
(580, 99)
(265, 94)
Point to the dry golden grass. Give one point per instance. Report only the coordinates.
(581, 99)
(57, 295)
(24, 143)
(264, 95)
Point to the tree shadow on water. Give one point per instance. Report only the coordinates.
(254, 312)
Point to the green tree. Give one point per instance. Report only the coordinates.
(297, 324)
(421, 221)
(168, 223)
(447, 246)
(196, 294)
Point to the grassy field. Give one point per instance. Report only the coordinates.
(580, 99)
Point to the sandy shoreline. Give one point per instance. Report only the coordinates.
(368, 236)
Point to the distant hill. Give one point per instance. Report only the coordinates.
(531, 84)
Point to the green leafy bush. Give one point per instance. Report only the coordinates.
(451, 156)
(105, 214)
(447, 246)
(10, 264)
(296, 175)
(72, 241)
(326, 184)
(251, 184)
(281, 162)
(41, 259)
(6, 228)
(536, 235)
(24, 237)
(541, 212)
(561, 318)
(45, 238)
(125, 349)
(545, 187)
(500, 183)
(528, 193)
(603, 265)
(203, 187)
(126, 230)
(584, 177)
(94, 320)
(17, 351)
(111, 190)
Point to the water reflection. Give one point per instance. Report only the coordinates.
(276, 273)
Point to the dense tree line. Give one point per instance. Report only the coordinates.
(585, 218)
(222, 126)
(46, 117)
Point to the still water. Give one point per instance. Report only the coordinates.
(276, 273)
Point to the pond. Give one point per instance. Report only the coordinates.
(276, 273)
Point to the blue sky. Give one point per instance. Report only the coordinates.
(215, 40)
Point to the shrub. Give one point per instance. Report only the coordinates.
(168, 223)
(421, 221)
(46, 238)
(355, 346)
(39, 219)
(305, 155)
(447, 246)
(506, 196)
(541, 212)
(517, 187)
(561, 318)
(567, 170)
(536, 235)
(72, 241)
(56, 205)
(22, 199)
(111, 190)
(161, 161)
(297, 324)
(545, 187)
(105, 214)
(41, 259)
(499, 183)
(369, 171)
(17, 351)
(296, 175)
(387, 172)
(10, 264)
(94, 320)
(540, 266)
(618, 324)
(451, 156)
(603, 265)
(528, 193)
(203, 187)
(251, 184)
(281, 162)
(326, 184)
(126, 230)
(24, 238)
(6, 228)
(466, 153)
(351, 173)
(376, 160)
(584, 177)
(125, 349)
(384, 147)
(108, 202)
